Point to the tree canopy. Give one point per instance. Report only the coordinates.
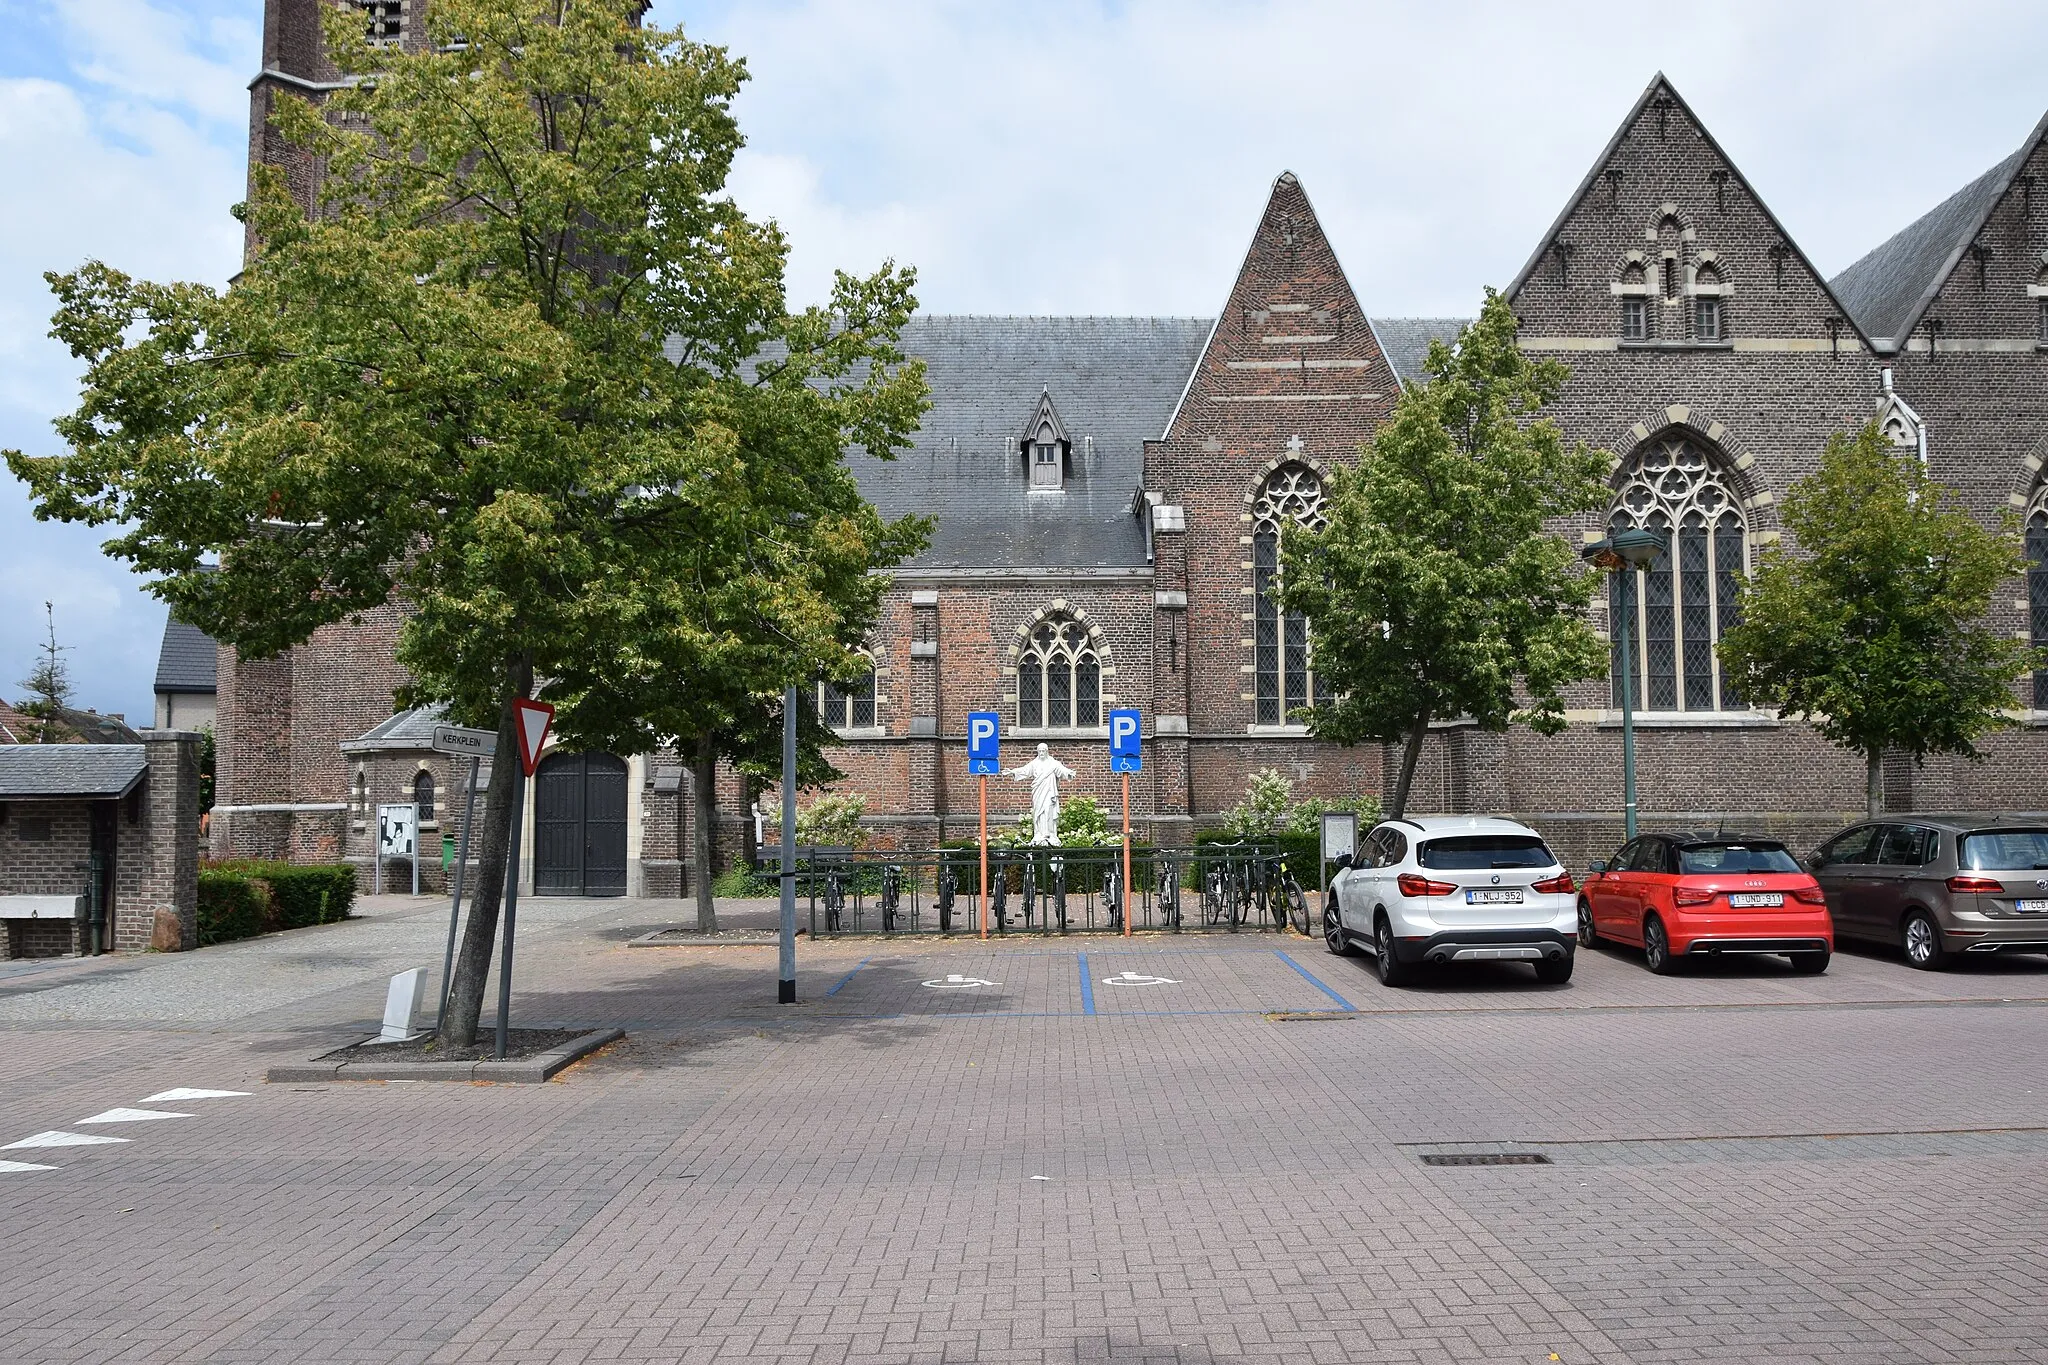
(1872, 625)
(1433, 592)
(521, 366)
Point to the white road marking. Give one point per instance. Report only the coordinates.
(57, 1138)
(133, 1116)
(6, 1166)
(956, 982)
(1135, 979)
(186, 1093)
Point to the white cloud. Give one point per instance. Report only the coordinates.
(129, 149)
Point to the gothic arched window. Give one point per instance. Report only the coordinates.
(1686, 599)
(848, 706)
(423, 796)
(1291, 495)
(1059, 677)
(2037, 585)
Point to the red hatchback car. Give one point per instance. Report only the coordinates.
(1679, 895)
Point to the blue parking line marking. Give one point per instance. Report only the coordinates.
(1310, 978)
(850, 975)
(1087, 986)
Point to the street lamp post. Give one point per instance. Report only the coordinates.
(1625, 552)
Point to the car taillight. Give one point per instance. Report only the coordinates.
(1560, 885)
(1413, 885)
(1692, 895)
(1810, 894)
(1976, 886)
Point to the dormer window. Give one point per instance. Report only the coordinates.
(1046, 446)
(1045, 459)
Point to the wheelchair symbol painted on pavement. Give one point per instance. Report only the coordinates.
(955, 982)
(1138, 979)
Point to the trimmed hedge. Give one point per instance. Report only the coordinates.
(231, 906)
(300, 896)
(244, 898)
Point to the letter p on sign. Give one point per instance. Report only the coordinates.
(1124, 744)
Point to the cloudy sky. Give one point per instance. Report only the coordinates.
(1031, 158)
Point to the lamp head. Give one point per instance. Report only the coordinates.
(1634, 547)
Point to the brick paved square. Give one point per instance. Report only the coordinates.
(1741, 1163)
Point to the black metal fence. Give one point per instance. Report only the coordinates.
(1229, 888)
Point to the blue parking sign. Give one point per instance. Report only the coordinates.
(983, 742)
(1124, 750)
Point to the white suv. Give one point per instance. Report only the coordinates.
(1454, 889)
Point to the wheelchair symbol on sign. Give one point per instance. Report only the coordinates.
(1137, 979)
(955, 982)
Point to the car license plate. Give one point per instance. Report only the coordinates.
(1504, 896)
(2031, 907)
(1749, 900)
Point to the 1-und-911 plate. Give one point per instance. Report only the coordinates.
(1506, 895)
(1749, 900)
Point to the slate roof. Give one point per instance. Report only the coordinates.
(1405, 341)
(412, 729)
(1115, 379)
(15, 728)
(187, 661)
(56, 771)
(1112, 379)
(1887, 291)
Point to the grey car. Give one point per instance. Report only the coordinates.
(1939, 885)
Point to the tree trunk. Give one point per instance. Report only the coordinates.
(1873, 784)
(1411, 754)
(704, 785)
(480, 929)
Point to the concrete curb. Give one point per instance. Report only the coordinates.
(523, 1071)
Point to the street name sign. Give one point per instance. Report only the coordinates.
(460, 739)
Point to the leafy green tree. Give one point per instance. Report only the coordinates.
(525, 369)
(1434, 592)
(1872, 628)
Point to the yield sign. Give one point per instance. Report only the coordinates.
(534, 717)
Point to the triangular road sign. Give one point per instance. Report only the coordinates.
(534, 717)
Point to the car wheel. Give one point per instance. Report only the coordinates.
(1923, 942)
(1810, 964)
(1657, 948)
(1555, 971)
(1589, 937)
(1334, 937)
(1393, 971)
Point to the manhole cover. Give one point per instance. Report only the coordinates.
(1485, 1159)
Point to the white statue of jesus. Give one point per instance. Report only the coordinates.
(1043, 773)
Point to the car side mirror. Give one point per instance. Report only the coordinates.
(1343, 861)
(1596, 867)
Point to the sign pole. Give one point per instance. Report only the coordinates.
(785, 981)
(511, 909)
(1127, 856)
(476, 764)
(415, 858)
(377, 859)
(984, 855)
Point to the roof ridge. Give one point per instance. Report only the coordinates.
(1992, 195)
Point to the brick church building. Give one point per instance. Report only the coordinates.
(1110, 493)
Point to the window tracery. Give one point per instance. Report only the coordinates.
(1059, 677)
(1283, 680)
(848, 706)
(1685, 601)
